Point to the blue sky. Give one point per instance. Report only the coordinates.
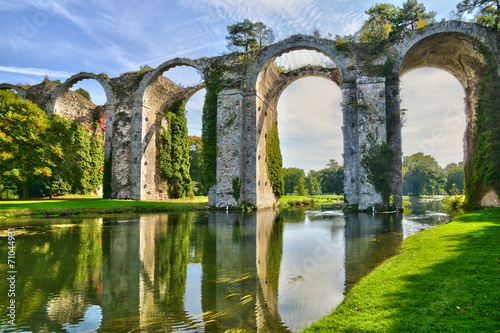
(63, 37)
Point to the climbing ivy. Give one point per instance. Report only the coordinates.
(173, 152)
(275, 161)
(107, 176)
(236, 188)
(213, 83)
(377, 162)
(483, 172)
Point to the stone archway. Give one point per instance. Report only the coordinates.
(154, 94)
(57, 103)
(459, 49)
(261, 91)
(20, 90)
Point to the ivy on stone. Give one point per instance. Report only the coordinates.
(173, 152)
(377, 162)
(483, 173)
(213, 83)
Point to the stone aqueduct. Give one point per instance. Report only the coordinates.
(247, 106)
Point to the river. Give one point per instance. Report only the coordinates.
(264, 271)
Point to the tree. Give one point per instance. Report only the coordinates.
(84, 93)
(300, 188)
(316, 32)
(195, 165)
(413, 15)
(26, 156)
(331, 179)
(386, 21)
(454, 175)
(247, 36)
(421, 175)
(312, 183)
(263, 34)
(291, 178)
(381, 19)
(486, 12)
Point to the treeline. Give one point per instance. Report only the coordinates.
(43, 155)
(422, 175)
(329, 180)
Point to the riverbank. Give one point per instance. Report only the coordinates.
(444, 279)
(78, 205)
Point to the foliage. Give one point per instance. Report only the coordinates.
(486, 12)
(421, 175)
(173, 152)
(84, 93)
(316, 32)
(377, 162)
(454, 203)
(381, 19)
(195, 165)
(484, 170)
(236, 188)
(300, 188)
(26, 153)
(107, 176)
(213, 83)
(291, 177)
(248, 36)
(263, 35)
(342, 44)
(275, 161)
(431, 285)
(312, 183)
(43, 154)
(454, 175)
(387, 22)
(331, 179)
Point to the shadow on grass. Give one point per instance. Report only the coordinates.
(461, 294)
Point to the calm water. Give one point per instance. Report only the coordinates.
(195, 272)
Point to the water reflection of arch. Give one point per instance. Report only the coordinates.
(20, 90)
(154, 95)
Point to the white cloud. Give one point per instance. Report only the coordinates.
(35, 71)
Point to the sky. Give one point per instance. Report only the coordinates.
(60, 38)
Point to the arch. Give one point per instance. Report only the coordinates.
(153, 75)
(60, 90)
(297, 42)
(462, 49)
(261, 91)
(450, 46)
(20, 90)
(153, 96)
(289, 77)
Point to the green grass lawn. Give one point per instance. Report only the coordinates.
(445, 279)
(88, 205)
(293, 200)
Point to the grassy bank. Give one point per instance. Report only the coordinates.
(445, 279)
(297, 200)
(92, 205)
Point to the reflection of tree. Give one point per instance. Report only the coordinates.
(172, 256)
(57, 271)
(293, 215)
(275, 253)
(270, 230)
